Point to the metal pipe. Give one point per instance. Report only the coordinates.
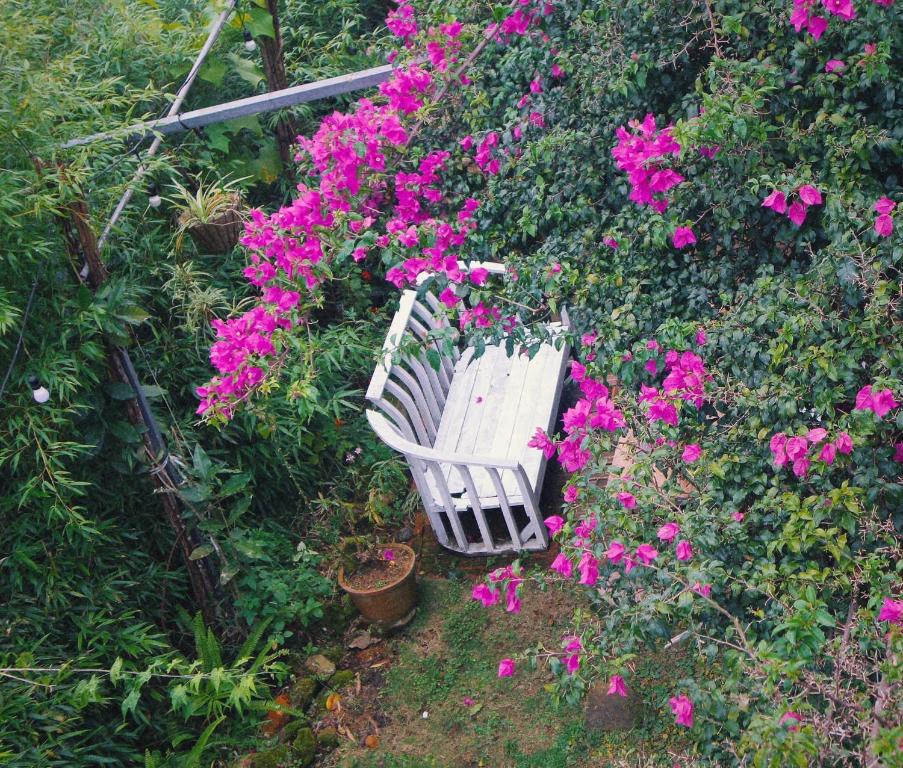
(253, 105)
(173, 110)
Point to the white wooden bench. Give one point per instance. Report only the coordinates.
(464, 428)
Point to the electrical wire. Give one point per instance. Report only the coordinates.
(18, 348)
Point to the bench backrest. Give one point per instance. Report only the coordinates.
(409, 390)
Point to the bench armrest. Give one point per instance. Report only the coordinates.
(389, 435)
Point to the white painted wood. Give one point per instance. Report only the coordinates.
(465, 454)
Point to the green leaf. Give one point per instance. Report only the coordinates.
(250, 72)
(200, 552)
(260, 23)
(120, 390)
(195, 494)
(213, 72)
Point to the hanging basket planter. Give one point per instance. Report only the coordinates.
(218, 235)
(212, 215)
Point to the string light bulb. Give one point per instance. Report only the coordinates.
(39, 392)
(250, 45)
(154, 200)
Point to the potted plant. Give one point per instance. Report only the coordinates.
(382, 583)
(212, 216)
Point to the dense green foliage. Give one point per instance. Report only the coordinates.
(798, 320)
(90, 573)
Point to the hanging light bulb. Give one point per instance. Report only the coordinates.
(250, 45)
(39, 392)
(154, 200)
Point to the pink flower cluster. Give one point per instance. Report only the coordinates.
(878, 401)
(804, 16)
(891, 611)
(401, 22)
(796, 450)
(243, 342)
(884, 222)
(595, 410)
(522, 18)
(796, 212)
(642, 155)
(505, 580)
(685, 381)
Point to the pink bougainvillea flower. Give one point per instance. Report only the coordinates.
(891, 611)
(884, 225)
(570, 494)
(466, 143)
(616, 686)
(835, 65)
(828, 452)
(709, 152)
(578, 371)
(791, 720)
(682, 237)
(467, 701)
(684, 550)
(646, 553)
(512, 601)
(885, 3)
(691, 453)
(797, 213)
(777, 201)
(844, 443)
(801, 467)
(572, 663)
(485, 594)
(589, 338)
(870, 49)
(610, 242)
(668, 531)
(702, 589)
(701, 337)
(388, 554)
(898, 453)
(506, 668)
(628, 500)
(885, 205)
(557, 71)
(796, 448)
(653, 346)
(563, 565)
(478, 275)
(554, 523)
(589, 569)
(615, 552)
(541, 441)
(651, 366)
(816, 435)
(536, 85)
(809, 195)
(738, 517)
(879, 402)
(842, 8)
(448, 297)
(682, 708)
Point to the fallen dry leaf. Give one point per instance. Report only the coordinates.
(372, 741)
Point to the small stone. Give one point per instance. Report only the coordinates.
(320, 665)
(610, 713)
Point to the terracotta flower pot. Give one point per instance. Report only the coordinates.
(220, 234)
(388, 604)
